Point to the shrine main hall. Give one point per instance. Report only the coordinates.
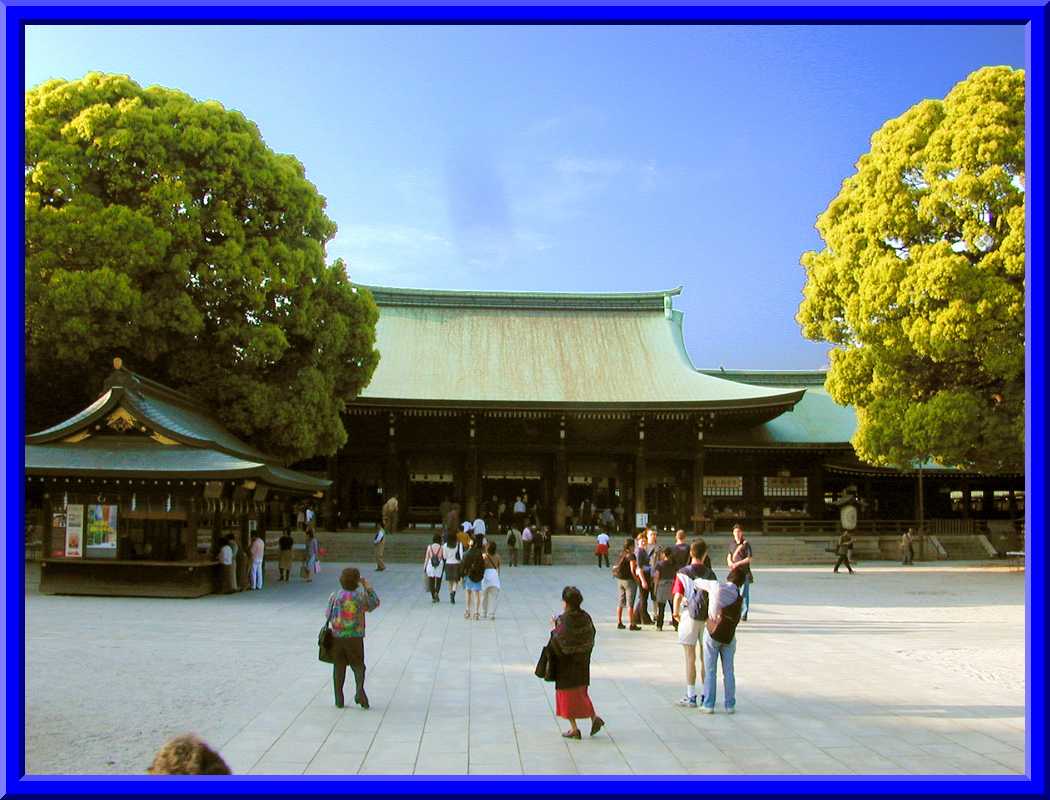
(567, 398)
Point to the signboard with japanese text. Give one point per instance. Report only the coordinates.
(74, 531)
(723, 485)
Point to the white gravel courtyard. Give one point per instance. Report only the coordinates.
(892, 671)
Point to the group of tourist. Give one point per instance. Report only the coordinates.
(465, 557)
(244, 569)
(645, 574)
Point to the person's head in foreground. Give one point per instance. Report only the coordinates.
(350, 578)
(737, 576)
(572, 597)
(187, 755)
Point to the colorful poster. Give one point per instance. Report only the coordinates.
(74, 531)
(102, 526)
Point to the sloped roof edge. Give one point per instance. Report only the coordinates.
(447, 298)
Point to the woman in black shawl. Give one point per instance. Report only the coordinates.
(572, 640)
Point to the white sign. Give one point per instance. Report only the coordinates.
(723, 485)
(641, 520)
(74, 531)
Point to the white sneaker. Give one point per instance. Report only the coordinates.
(707, 710)
(688, 702)
(731, 710)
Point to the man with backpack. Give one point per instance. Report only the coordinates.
(691, 624)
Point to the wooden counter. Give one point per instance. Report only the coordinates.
(109, 577)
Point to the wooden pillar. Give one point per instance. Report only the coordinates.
(639, 475)
(561, 484)
(752, 487)
(331, 497)
(473, 475)
(391, 466)
(815, 489)
(47, 534)
(696, 485)
(190, 532)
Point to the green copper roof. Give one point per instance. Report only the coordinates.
(159, 409)
(816, 420)
(139, 426)
(503, 349)
(127, 456)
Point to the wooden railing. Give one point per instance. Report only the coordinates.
(871, 527)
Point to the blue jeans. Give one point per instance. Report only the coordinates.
(712, 652)
(747, 599)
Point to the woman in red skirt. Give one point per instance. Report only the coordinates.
(572, 640)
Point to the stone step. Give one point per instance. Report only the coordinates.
(410, 546)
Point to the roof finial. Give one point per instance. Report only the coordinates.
(118, 363)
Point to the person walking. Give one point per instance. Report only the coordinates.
(627, 586)
(257, 549)
(526, 544)
(725, 602)
(473, 570)
(490, 583)
(284, 558)
(740, 555)
(601, 548)
(843, 550)
(571, 644)
(663, 580)
(548, 547)
(643, 575)
(434, 566)
(229, 569)
(512, 544)
(691, 622)
(389, 514)
(313, 556)
(907, 547)
(378, 545)
(346, 619)
(453, 555)
(465, 534)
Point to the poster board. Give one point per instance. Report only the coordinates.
(100, 537)
(641, 520)
(74, 531)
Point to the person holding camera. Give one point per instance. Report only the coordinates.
(346, 619)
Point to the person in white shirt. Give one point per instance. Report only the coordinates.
(479, 526)
(526, 545)
(453, 554)
(257, 549)
(229, 575)
(602, 549)
(378, 544)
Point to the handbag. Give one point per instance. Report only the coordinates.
(324, 645)
(545, 665)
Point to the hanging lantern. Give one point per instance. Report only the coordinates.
(134, 502)
(167, 503)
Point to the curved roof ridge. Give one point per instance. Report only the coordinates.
(458, 298)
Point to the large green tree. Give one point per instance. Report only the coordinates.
(164, 230)
(920, 283)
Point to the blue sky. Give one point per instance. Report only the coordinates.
(567, 158)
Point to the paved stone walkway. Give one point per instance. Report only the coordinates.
(891, 671)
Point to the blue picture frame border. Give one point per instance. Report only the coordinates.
(1034, 15)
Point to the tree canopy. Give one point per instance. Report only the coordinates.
(920, 283)
(164, 230)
